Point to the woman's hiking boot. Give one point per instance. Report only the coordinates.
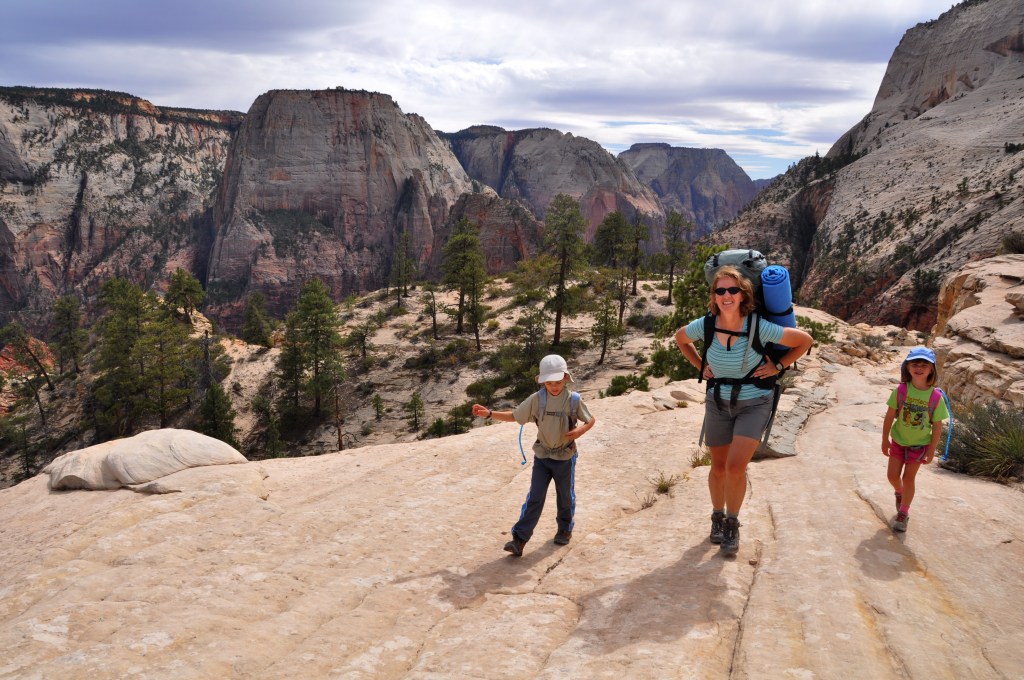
(900, 523)
(717, 526)
(730, 536)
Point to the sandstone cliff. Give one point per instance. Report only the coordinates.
(537, 164)
(703, 185)
(926, 183)
(322, 183)
(97, 184)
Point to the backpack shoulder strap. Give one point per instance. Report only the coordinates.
(709, 336)
(542, 403)
(754, 332)
(933, 402)
(901, 396)
(574, 407)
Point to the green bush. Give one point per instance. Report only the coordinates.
(623, 383)
(987, 441)
(823, 333)
(1013, 243)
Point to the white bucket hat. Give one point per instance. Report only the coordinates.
(553, 367)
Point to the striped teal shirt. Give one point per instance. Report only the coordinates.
(741, 358)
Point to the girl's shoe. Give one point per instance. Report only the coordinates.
(717, 527)
(900, 523)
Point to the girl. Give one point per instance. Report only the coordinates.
(733, 430)
(914, 423)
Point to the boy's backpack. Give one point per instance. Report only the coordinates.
(574, 405)
(542, 404)
(773, 299)
(933, 402)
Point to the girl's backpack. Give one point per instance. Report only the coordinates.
(936, 396)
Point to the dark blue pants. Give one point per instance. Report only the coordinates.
(563, 472)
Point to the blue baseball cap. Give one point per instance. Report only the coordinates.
(921, 353)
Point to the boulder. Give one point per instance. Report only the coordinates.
(139, 459)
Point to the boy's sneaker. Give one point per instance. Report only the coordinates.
(563, 537)
(900, 523)
(717, 526)
(515, 546)
(730, 536)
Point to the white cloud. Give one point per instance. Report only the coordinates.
(767, 81)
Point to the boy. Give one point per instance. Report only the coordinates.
(554, 452)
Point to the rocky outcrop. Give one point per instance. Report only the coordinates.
(99, 184)
(705, 186)
(322, 184)
(509, 231)
(535, 165)
(928, 182)
(134, 461)
(980, 332)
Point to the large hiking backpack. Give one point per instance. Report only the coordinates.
(773, 300)
(934, 398)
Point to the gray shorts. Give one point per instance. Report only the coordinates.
(747, 419)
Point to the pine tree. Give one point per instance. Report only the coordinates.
(563, 237)
(606, 328)
(167, 355)
(431, 307)
(463, 265)
(67, 337)
(291, 365)
(217, 417)
(637, 235)
(256, 323)
(185, 293)
(317, 325)
(403, 267)
(678, 231)
(120, 386)
(610, 240)
(416, 411)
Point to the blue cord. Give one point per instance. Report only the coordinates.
(949, 430)
(523, 453)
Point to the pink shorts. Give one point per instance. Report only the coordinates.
(908, 454)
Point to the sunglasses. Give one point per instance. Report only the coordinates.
(731, 290)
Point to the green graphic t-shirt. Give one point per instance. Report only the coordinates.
(912, 427)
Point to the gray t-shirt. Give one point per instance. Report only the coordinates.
(551, 429)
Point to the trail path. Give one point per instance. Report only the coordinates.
(386, 562)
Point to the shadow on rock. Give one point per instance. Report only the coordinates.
(883, 557)
(685, 599)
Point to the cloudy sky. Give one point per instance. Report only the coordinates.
(769, 81)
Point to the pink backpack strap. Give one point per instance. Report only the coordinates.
(901, 396)
(933, 402)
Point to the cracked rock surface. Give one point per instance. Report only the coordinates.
(386, 561)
